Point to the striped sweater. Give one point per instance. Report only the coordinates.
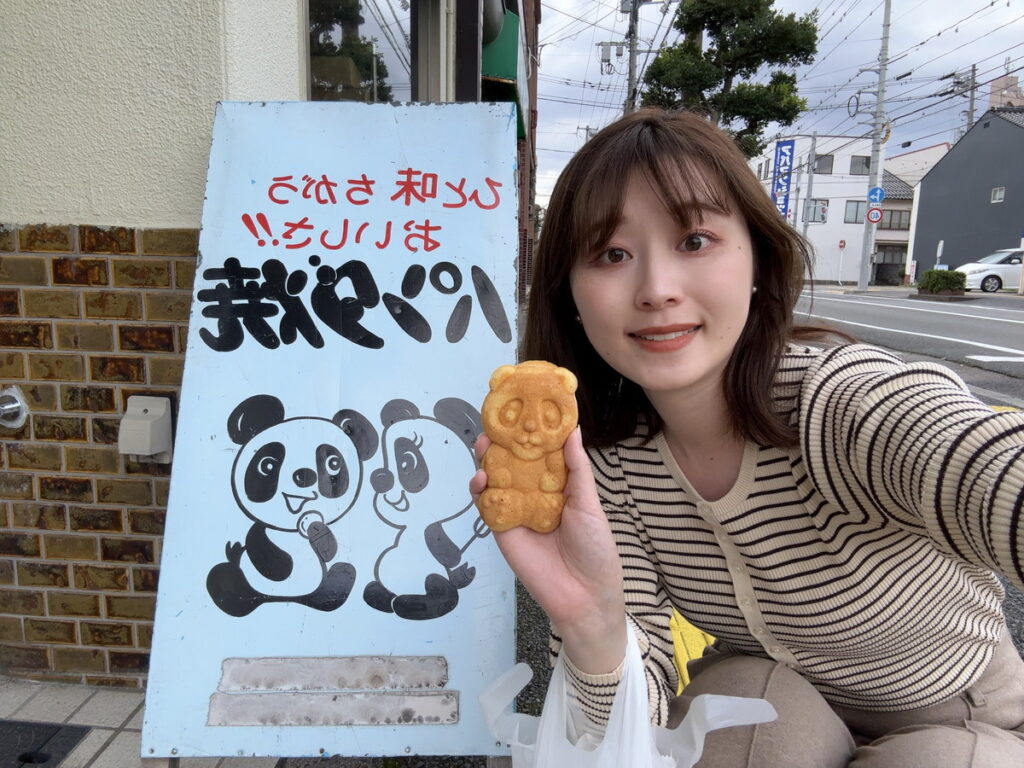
(863, 558)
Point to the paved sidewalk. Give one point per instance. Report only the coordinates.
(114, 718)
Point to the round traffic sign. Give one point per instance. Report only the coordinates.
(874, 215)
(842, 244)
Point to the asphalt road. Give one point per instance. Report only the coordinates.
(981, 338)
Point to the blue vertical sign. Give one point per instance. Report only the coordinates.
(783, 175)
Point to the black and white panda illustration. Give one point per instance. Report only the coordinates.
(294, 478)
(420, 575)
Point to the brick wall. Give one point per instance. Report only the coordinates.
(88, 316)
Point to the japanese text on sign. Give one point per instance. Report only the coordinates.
(246, 298)
(242, 301)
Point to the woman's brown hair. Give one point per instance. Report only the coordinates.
(687, 161)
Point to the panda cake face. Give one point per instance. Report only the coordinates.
(296, 468)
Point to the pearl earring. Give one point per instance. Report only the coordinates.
(753, 289)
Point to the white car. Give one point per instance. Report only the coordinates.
(997, 270)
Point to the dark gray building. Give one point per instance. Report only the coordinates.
(973, 198)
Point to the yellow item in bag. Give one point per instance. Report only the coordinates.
(689, 643)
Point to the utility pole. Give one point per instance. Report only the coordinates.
(974, 87)
(810, 178)
(631, 37)
(373, 50)
(868, 245)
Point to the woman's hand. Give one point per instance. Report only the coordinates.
(574, 572)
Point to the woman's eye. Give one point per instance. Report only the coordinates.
(614, 256)
(695, 242)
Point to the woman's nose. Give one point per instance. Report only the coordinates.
(657, 287)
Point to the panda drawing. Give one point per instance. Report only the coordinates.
(293, 478)
(420, 575)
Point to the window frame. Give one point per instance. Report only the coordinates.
(997, 192)
(888, 214)
(867, 165)
(815, 202)
(831, 163)
(860, 211)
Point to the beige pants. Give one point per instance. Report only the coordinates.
(983, 727)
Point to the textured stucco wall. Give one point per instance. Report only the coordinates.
(108, 105)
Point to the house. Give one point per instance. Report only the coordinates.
(912, 166)
(972, 201)
(893, 232)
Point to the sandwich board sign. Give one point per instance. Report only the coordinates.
(327, 587)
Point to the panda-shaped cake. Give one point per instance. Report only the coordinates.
(293, 478)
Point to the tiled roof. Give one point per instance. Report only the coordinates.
(1014, 114)
(895, 187)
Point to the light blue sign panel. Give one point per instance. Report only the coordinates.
(876, 195)
(326, 584)
(783, 175)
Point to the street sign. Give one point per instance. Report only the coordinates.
(876, 195)
(874, 215)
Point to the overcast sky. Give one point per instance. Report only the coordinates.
(928, 39)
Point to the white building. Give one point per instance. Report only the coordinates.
(912, 166)
(831, 201)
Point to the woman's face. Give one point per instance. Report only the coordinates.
(662, 304)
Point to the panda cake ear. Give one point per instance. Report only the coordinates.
(252, 416)
(360, 432)
(460, 417)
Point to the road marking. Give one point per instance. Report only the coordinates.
(890, 305)
(932, 336)
(995, 359)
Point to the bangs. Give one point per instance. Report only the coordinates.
(688, 181)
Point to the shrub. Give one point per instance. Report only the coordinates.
(938, 280)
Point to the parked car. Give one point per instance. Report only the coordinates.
(995, 271)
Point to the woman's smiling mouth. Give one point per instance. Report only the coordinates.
(664, 338)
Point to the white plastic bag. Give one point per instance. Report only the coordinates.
(629, 739)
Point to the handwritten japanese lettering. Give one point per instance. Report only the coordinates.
(241, 302)
(412, 187)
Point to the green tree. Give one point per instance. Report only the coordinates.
(742, 36)
(342, 61)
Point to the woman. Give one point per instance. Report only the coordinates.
(831, 515)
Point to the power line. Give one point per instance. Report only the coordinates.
(836, 46)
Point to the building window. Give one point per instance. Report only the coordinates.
(895, 220)
(356, 54)
(816, 210)
(767, 169)
(759, 168)
(998, 193)
(855, 210)
(823, 163)
(891, 254)
(860, 165)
